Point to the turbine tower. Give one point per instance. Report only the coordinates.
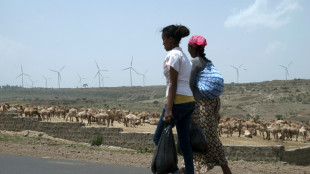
(143, 77)
(46, 79)
(237, 71)
(32, 82)
(286, 70)
(131, 68)
(99, 73)
(58, 75)
(80, 80)
(102, 78)
(22, 74)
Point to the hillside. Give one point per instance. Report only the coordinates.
(287, 99)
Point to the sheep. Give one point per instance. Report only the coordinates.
(274, 129)
(101, 117)
(303, 133)
(131, 118)
(82, 115)
(45, 114)
(71, 114)
(225, 127)
(293, 130)
(262, 129)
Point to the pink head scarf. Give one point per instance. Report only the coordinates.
(197, 40)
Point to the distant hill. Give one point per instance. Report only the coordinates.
(270, 99)
(287, 99)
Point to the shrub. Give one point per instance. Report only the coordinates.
(257, 117)
(96, 141)
(248, 116)
(279, 117)
(144, 150)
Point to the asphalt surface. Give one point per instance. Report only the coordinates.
(13, 164)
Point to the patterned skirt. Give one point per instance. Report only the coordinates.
(207, 115)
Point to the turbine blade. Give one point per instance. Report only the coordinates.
(53, 70)
(289, 64)
(234, 67)
(126, 68)
(19, 75)
(96, 74)
(136, 71)
(27, 75)
(62, 68)
(131, 61)
(282, 66)
(97, 65)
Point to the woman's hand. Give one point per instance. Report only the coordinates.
(168, 115)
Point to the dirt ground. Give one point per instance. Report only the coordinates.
(41, 145)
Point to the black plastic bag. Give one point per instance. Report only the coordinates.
(198, 139)
(165, 157)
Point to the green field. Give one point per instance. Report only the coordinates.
(285, 99)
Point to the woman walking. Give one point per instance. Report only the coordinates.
(206, 112)
(180, 100)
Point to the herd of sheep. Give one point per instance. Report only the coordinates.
(90, 115)
(280, 129)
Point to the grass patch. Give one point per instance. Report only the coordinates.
(96, 141)
(144, 150)
(11, 138)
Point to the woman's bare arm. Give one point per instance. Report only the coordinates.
(171, 93)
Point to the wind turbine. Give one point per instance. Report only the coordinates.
(103, 80)
(22, 74)
(99, 73)
(81, 79)
(237, 71)
(32, 82)
(131, 68)
(46, 80)
(286, 69)
(58, 75)
(143, 77)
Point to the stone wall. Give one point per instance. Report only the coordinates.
(254, 153)
(117, 137)
(300, 156)
(77, 131)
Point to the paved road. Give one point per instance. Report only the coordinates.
(13, 164)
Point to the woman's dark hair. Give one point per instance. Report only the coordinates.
(177, 32)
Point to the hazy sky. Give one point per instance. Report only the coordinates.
(45, 35)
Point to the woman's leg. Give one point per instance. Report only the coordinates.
(182, 114)
(184, 139)
(160, 128)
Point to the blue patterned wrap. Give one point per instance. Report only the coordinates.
(210, 82)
